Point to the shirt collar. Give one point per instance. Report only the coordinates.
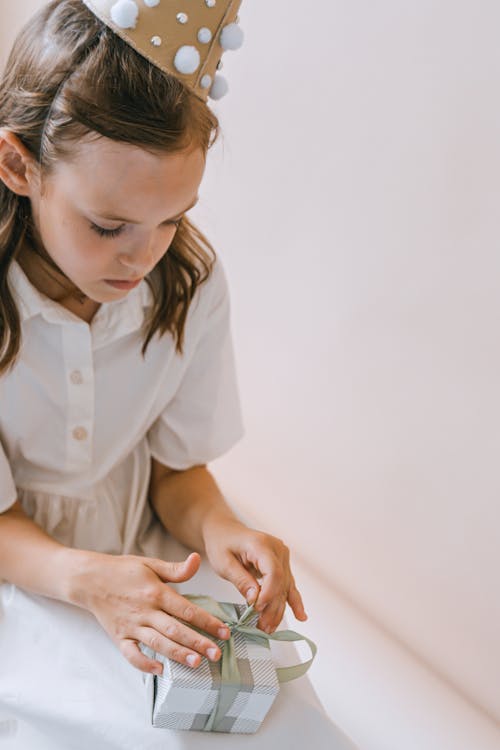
(32, 302)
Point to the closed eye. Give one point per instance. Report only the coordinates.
(110, 233)
(107, 232)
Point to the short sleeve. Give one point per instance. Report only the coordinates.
(8, 490)
(203, 420)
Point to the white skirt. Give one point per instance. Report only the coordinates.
(64, 685)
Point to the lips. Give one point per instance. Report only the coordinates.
(125, 285)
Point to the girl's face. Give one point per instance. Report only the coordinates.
(113, 213)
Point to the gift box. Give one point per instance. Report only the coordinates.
(233, 694)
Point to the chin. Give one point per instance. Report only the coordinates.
(101, 292)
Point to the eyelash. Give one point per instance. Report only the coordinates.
(111, 233)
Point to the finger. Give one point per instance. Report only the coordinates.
(253, 571)
(232, 570)
(273, 614)
(273, 581)
(176, 605)
(274, 611)
(295, 602)
(174, 571)
(131, 651)
(166, 628)
(172, 649)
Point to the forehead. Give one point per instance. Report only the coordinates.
(104, 170)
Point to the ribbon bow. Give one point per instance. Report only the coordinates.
(230, 673)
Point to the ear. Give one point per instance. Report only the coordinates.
(17, 166)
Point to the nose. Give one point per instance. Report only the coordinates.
(140, 259)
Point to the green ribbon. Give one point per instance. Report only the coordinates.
(231, 681)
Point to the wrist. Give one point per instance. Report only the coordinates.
(218, 519)
(77, 565)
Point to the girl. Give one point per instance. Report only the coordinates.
(117, 387)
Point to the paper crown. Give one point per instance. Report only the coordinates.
(185, 38)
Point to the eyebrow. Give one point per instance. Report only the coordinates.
(109, 217)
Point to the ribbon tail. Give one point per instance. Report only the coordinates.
(285, 674)
(230, 682)
(229, 687)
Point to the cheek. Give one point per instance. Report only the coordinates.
(163, 243)
(71, 243)
(59, 231)
(76, 250)
(56, 234)
(81, 245)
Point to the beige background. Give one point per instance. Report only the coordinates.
(354, 201)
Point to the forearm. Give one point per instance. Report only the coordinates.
(185, 501)
(33, 560)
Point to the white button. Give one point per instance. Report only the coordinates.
(80, 433)
(76, 377)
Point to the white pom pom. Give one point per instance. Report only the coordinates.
(204, 35)
(220, 87)
(151, 3)
(231, 36)
(124, 14)
(187, 59)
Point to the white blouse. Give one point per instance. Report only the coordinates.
(82, 412)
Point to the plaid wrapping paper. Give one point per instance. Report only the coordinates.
(184, 698)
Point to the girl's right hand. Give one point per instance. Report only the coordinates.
(129, 597)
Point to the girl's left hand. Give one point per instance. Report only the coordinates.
(241, 555)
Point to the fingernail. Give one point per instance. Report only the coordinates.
(191, 659)
(223, 633)
(251, 594)
(212, 653)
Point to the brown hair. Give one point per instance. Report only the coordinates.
(69, 76)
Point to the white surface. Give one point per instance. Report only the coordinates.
(62, 670)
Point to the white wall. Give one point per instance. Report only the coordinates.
(361, 174)
(354, 201)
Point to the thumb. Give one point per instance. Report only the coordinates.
(176, 571)
(236, 573)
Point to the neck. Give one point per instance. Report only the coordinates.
(46, 275)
